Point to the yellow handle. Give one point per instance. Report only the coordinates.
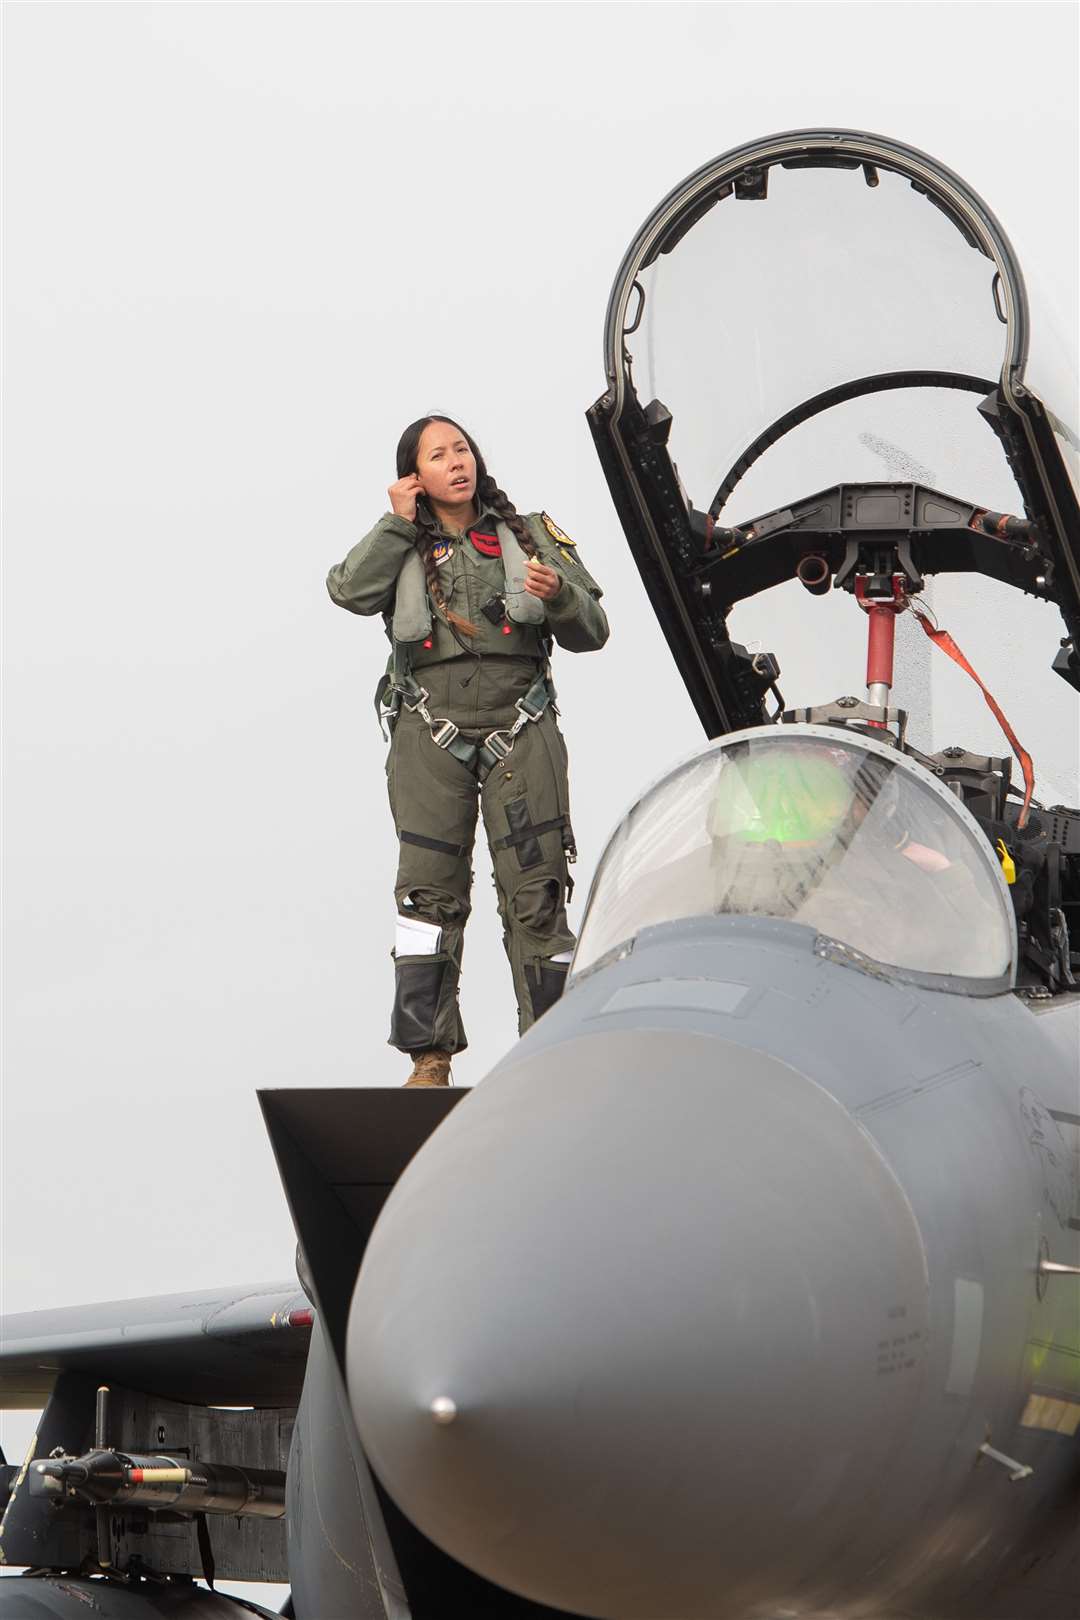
(1008, 865)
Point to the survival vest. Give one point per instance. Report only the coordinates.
(412, 605)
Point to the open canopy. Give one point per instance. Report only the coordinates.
(817, 341)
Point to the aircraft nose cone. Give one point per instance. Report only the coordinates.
(643, 1309)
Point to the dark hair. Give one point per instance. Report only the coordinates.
(487, 491)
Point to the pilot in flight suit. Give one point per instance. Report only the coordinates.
(473, 723)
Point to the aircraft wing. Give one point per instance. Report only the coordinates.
(240, 1346)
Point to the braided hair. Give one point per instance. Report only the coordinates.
(487, 492)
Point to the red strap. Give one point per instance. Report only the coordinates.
(487, 544)
(942, 639)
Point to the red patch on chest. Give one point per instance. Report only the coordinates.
(486, 544)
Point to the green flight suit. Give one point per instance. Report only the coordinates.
(475, 681)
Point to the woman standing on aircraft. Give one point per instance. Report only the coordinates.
(472, 595)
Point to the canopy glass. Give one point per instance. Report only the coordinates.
(854, 842)
(766, 303)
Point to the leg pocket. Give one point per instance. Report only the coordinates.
(425, 1014)
(546, 982)
(523, 834)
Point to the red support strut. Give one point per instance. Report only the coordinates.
(881, 638)
(880, 644)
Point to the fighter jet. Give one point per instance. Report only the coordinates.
(747, 1285)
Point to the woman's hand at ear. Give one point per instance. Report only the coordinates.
(403, 496)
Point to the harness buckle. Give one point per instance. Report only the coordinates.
(421, 699)
(443, 732)
(527, 712)
(501, 744)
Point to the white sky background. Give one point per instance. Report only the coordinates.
(243, 246)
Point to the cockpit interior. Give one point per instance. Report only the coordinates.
(840, 833)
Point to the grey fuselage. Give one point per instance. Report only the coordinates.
(730, 1269)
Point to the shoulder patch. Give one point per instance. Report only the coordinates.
(557, 534)
(442, 551)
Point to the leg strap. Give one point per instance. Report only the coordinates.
(530, 830)
(497, 745)
(437, 844)
(480, 758)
